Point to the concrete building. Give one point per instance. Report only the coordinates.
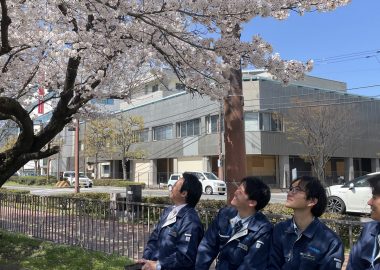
(181, 131)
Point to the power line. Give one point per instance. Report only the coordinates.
(347, 57)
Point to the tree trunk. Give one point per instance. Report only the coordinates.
(29, 146)
(124, 166)
(96, 167)
(234, 136)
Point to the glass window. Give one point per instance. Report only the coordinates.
(211, 176)
(276, 122)
(188, 128)
(141, 135)
(251, 121)
(163, 133)
(144, 135)
(106, 169)
(179, 86)
(361, 181)
(212, 122)
(270, 121)
(265, 121)
(155, 88)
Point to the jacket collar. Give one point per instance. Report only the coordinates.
(310, 230)
(183, 210)
(375, 230)
(179, 215)
(257, 221)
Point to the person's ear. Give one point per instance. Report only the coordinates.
(312, 202)
(252, 203)
(184, 194)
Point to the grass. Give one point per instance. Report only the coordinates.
(19, 252)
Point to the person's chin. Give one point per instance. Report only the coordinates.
(375, 215)
(288, 204)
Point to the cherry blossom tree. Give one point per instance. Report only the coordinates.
(85, 49)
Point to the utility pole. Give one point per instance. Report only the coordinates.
(76, 155)
(220, 146)
(59, 159)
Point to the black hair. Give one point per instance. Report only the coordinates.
(374, 182)
(193, 186)
(256, 190)
(314, 190)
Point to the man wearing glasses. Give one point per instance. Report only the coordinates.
(366, 252)
(239, 237)
(304, 242)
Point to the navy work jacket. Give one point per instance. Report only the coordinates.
(246, 249)
(175, 245)
(318, 247)
(362, 252)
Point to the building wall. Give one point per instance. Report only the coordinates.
(264, 148)
(190, 164)
(364, 112)
(142, 171)
(263, 167)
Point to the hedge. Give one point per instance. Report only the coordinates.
(116, 183)
(14, 191)
(34, 180)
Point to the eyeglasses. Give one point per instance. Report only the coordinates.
(295, 189)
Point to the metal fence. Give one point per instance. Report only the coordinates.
(107, 226)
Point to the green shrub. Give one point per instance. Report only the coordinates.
(277, 208)
(91, 203)
(211, 205)
(116, 183)
(34, 180)
(157, 200)
(14, 191)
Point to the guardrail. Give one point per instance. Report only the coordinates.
(109, 226)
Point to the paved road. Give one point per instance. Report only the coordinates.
(277, 197)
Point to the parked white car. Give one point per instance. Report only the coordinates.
(83, 179)
(210, 182)
(350, 197)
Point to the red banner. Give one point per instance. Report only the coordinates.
(41, 93)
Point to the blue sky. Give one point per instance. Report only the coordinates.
(344, 43)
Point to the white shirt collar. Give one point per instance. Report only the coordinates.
(179, 207)
(244, 221)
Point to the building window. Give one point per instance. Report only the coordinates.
(141, 135)
(155, 88)
(276, 122)
(265, 122)
(270, 121)
(180, 86)
(251, 121)
(105, 169)
(163, 133)
(107, 101)
(212, 123)
(262, 121)
(188, 128)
